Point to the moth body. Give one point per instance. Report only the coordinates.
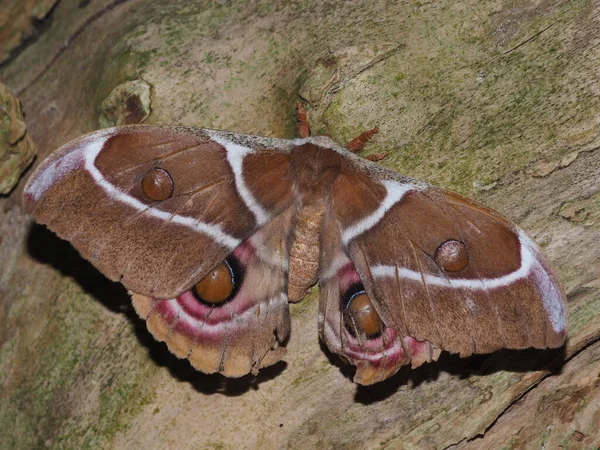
(304, 251)
(314, 167)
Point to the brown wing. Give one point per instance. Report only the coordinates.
(442, 269)
(368, 337)
(246, 331)
(158, 207)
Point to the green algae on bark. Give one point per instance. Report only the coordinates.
(16, 146)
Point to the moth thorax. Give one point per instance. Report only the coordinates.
(314, 170)
(304, 252)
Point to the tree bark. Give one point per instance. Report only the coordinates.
(496, 100)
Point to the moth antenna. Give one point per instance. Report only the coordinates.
(375, 157)
(358, 143)
(302, 127)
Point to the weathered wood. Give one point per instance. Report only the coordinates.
(498, 101)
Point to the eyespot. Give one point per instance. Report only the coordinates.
(218, 286)
(359, 314)
(157, 184)
(452, 256)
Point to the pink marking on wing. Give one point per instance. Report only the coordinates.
(386, 351)
(347, 276)
(206, 323)
(191, 305)
(198, 310)
(166, 310)
(200, 329)
(189, 326)
(415, 347)
(245, 252)
(420, 351)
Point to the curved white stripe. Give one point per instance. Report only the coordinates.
(527, 261)
(91, 151)
(235, 157)
(334, 341)
(551, 296)
(338, 262)
(244, 317)
(395, 192)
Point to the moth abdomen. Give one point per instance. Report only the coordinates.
(304, 251)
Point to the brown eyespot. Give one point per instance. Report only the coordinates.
(218, 286)
(157, 184)
(452, 256)
(361, 316)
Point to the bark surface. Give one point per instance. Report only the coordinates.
(496, 100)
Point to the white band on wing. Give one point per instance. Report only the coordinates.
(257, 312)
(395, 192)
(235, 157)
(91, 151)
(527, 260)
(551, 296)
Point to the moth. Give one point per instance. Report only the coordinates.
(213, 233)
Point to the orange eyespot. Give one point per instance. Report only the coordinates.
(360, 315)
(217, 286)
(452, 256)
(157, 184)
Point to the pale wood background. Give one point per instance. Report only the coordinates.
(499, 100)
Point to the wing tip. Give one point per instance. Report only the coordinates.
(68, 158)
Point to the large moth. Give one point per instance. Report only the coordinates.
(214, 232)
